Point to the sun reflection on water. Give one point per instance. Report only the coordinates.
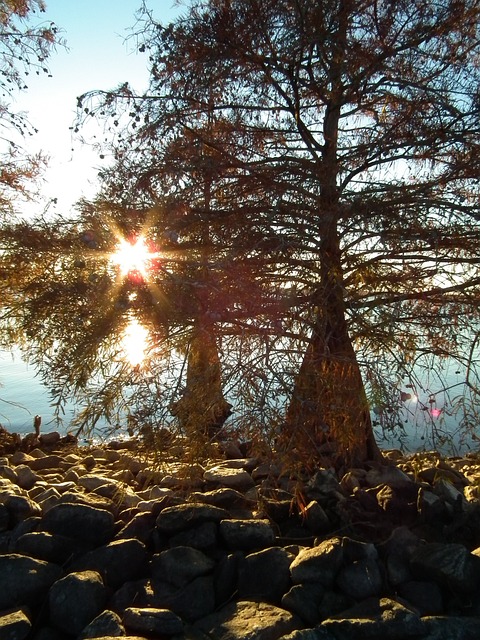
(134, 342)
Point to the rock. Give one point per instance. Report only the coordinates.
(140, 527)
(361, 579)
(426, 597)
(376, 619)
(265, 575)
(15, 625)
(180, 565)
(452, 565)
(48, 547)
(21, 508)
(450, 628)
(224, 498)
(318, 633)
(49, 439)
(75, 600)
(319, 564)
(193, 601)
(45, 462)
(389, 475)
(247, 535)
(82, 522)
(25, 581)
(4, 517)
(303, 600)
(156, 622)
(108, 623)
(117, 562)
(177, 518)
(246, 620)
(315, 517)
(228, 477)
(203, 537)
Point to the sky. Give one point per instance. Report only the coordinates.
(97, 57)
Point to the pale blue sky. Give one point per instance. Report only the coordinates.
(97, 58)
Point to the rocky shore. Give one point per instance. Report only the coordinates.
(108, 542)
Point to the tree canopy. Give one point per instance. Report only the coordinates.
(316, 164)
(24, 50)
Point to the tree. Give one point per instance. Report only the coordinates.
(23, 50)
(360, 121)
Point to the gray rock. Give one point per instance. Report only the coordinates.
(356, 550)
(153, 621)
(14, 625)
(319, 633)
(80, 521)
(224, 498)
(191, 602)
(25, 581)
(140, 527)
(246, 620)
(49, 439)
(4, 517)
(451, 628)
(228, 477)
(225, 577)
(265, 575)
(180, 565)
(48, 547)
(315, 517)
(452, 565)
(108, 623)
(75, 600)
(426, 597)
(318, 564)
(48, 633)
(204, 537)
(177, 518)
(247, 535)
(304, 600)
(21, 508)
(361, 579)
(387, 475)
(117, 562)
(375, 619)
(45, 462)
(26, 477)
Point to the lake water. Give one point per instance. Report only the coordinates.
(23, 396)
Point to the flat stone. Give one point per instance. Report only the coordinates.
(245, 620)
(153, 621)
(229, 477)
(376, 619)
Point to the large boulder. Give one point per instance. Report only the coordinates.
(75, 600)
(24, 580)
(80, 521)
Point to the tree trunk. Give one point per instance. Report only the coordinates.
(202, 409)
(328, 416)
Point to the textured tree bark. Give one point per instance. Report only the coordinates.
(202, 410)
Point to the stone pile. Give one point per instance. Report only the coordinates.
(103, 543)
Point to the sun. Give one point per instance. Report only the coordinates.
(133, 258)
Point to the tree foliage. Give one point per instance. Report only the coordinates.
(24, 50)
(317, 165)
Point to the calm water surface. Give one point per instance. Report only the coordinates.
(23, 396)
